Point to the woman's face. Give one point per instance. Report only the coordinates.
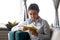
(33, 14)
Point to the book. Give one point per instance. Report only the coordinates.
(30, 26)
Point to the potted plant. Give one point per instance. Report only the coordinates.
(10, 25)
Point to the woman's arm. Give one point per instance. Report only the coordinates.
(46, 32)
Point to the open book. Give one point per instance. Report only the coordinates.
(30, 26)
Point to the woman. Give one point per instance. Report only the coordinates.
(43, 30)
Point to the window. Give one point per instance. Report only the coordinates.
(11, 10)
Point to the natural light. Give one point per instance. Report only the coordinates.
(11, 10)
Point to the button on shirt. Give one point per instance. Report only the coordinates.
(38, 24)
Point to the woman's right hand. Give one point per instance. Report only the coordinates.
(23, 28)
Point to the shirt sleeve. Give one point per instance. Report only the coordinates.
(15, 28)
(46, 30)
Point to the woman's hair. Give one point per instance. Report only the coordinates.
(33, 7)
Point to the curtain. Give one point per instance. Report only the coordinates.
(25, 10)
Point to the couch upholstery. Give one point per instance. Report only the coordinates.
(18, 35)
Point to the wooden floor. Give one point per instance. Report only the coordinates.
(4, 34)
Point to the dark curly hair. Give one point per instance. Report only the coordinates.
(34, 7)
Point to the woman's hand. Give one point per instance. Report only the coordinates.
(23, 28)
(33, 32)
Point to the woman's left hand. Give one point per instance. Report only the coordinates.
(33, 32)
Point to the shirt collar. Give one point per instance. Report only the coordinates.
(38, 20)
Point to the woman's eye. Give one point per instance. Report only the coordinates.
(30, 14)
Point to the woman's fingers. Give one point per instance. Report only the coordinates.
(22, 28)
